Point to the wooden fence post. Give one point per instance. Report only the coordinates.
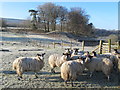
(62, 44)
(83, 44)
(109, 45)
(71, 44)
(100, 47)
(118, 45)
(54, 44)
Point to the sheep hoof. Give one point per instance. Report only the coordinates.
(72, 85)
(19, 78)
(65, 83)
(53, 72)
(36, 77)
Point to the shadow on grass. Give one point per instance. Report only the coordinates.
(98, 78)
(39, 73)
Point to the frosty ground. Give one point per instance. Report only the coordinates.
(15, 45)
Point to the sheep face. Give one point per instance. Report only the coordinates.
(82, 59)
(67, 50)
(68, 55)
(75, 51)
(41, 56)
(88, 59)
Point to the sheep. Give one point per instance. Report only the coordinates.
(99, 64)
(67, 50)
(118, 68)
(76, 54)
(115, 58)
(106, 55)
(56, 60)
(116, 51)
(25, 64)
(71, 69)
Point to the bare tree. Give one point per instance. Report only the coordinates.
(48, 13)
(62, 16)
(77, 20)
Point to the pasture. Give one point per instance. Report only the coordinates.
(27, 45)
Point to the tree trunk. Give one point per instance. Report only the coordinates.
(48, 26)
(61, 26)
(54, 28)
(44, 25)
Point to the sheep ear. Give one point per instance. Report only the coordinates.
(43, 54)
(38, 54)
(64, 54)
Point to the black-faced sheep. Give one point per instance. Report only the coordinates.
(76, 54)
(99, 64)
(25, 64)
(71, 69)
(57, 60)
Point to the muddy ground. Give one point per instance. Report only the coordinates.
(13, 45)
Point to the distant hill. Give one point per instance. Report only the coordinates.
(104, 32)
(13, 21)
(98, 32)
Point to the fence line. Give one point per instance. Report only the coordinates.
(106, 47)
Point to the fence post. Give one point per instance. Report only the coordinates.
(118, 45)
(109, 45)
(54, 44)
(62, 44)
(83, 44)
(100, 47)
(71, 44)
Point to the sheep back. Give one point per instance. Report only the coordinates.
(106, 66)
(70, 70)
(52, 60)
(25, 64)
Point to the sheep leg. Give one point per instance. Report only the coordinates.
(108, 77)
(91, 74)
(36, 75)
(19, 74)
(52, 70)
(71, 82)
(119, 78)
(65, 83)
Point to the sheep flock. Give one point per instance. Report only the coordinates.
(72, 64)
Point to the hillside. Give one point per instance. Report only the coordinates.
(12, 22)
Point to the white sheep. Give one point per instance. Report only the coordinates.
(57, 60)
(118, 68)
(115, 57)
(25, 64)
(106, 55)
(71, 69)
(98, 64)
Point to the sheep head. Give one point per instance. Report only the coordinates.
(82, 59)
(88, 58)
(66, 56)
(41, 56)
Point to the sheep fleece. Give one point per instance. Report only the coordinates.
(24, 64)
(56, 60)
(70, 70)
